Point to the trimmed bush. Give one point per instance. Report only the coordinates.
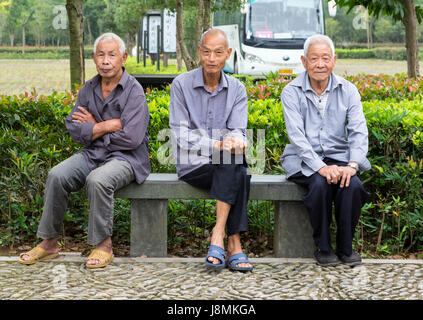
(374, 53)
(371, 87)
(39, 53)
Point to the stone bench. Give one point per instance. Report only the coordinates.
(149, 201)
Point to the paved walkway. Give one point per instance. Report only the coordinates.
(185, 279)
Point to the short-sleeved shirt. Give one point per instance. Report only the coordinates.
(340, 133)
(126, 102)
(198, 117)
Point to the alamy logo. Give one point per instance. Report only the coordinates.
(60, 278)
(61, 19)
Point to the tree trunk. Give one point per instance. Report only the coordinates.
(39, 35)
(90, 35)
(12, 39)
(190, 63)
(23, 31)
(23, 39)
(76, 42)
(411, 36)
(207, 14)
(199, 28)
(178, 56)
(165, 60)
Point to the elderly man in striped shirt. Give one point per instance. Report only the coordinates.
(328, 146)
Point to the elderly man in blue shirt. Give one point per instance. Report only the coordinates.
(327, 150)
(208, 117)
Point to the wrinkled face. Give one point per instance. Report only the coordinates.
(319, 62)
(213, 53)
(108, 59)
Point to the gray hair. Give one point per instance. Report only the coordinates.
(110, 37)
(318, 38)
(213, 31)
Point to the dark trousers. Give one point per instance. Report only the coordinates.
(318, 200)
(228, 183)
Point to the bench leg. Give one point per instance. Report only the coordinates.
(293, 236)
(148, 228)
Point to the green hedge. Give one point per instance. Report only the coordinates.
(39, 53)
(33, 139)
(374, 53)
(371, 87)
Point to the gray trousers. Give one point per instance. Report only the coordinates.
(101, 183)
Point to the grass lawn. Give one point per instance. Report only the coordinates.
(370, 66)
(22, 75)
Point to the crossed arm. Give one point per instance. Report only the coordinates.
(100, 128)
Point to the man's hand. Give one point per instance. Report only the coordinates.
(83, 116)
(108, 126)
(331, 173)
(347, 173)
(218, 145)
(234, 145)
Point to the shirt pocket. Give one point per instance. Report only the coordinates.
(114, 110)
(337, 118)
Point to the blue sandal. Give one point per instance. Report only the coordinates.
(235, 259)
(217, 253)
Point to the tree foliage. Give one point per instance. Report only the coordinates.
(405, 11)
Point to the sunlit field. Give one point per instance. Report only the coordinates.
(18, 76)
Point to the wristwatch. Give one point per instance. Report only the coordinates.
(353, 165)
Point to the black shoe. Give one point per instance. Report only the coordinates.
(326, 259)
(352, 260)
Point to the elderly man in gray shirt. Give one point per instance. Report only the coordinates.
(328, 146)
(110, 120)
(208, 117)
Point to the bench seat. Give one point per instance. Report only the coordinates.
(149, 201)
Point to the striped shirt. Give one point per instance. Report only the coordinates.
(341, 134)
(198, 117)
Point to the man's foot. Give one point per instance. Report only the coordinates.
(49, 245)
(352, 260)
(234, 247)
(326, 259)
(105, 246)
(218, 253)
(239, 262)
(217, 240)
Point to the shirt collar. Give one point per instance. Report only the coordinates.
(199, 80)
(309, 88)
(303, 82)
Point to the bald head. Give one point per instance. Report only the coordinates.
(215, 33)
(213, 52)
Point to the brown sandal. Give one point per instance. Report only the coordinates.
(103, 257)
(36, 254)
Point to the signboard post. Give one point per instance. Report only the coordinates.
(158, 35)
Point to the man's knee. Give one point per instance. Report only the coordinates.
(96, 181)
(318, 183)
(355, 185)
(57, 177)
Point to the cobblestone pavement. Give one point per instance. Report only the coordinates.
(186, 279)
